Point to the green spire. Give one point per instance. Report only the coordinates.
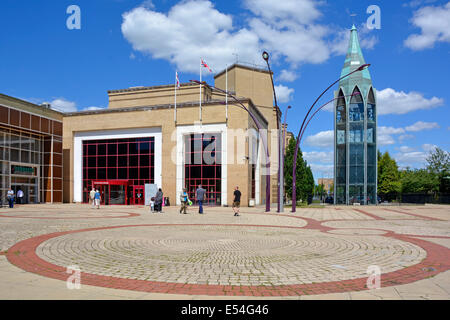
(353, 60)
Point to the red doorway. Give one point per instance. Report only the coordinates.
(138, 195)
(112, 192)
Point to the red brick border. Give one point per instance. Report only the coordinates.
(414, 215)
(128, 215)
(369, 214)
(23, 255)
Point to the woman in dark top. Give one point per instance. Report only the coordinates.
(158, 200)
(236, 201)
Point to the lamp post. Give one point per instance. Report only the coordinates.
(282, 156)
(259, 129)
(294, 165)
(280, 206)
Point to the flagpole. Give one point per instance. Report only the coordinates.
(176, 84)
(200, 89)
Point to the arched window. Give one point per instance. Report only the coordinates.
(371, 106)
(340, 108)
(341, 116)
(356, 109)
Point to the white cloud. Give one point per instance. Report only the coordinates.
(385, 139)
(323, 139)
(287, 76)
(390, 130)
(300, 11)
(414, 159)
(434, 23)
(427, 147)
(393, 102)
(406, 149)
(420, 125)
(384, 136)
(404, 137)
(318, 156)
(195, 28)
(189, 31)
(63, 105)
(322, 170)
(284, 94)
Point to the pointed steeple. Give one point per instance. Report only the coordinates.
(353, 60)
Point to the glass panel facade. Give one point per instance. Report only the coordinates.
(203, 154)
(371, 149)
(20, 164)
(341, 149)
(131, 159)
(356, 149)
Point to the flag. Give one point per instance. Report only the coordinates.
(205, 65)
(177, 79)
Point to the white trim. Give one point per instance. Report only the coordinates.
(79, 137)
(209, 128)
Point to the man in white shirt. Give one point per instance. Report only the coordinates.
(19, 196)
(10, 196)
(92, 196)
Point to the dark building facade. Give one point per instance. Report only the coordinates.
(31, 154)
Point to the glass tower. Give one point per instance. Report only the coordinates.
(355, 144)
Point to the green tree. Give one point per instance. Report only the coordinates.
(304, 185)
(389, 184)
(418, 181)
(439, 165)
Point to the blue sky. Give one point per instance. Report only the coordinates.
(125, 43)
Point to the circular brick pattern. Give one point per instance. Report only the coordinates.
(238, 259)
(226, 255)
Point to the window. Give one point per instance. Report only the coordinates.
(203, 154)
(118, 159)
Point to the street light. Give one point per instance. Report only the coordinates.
(283, 156)
(259, 129)
(280, 206)
(294, 165)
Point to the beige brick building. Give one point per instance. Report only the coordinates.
(141, 138)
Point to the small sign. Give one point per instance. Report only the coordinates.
(30, 171)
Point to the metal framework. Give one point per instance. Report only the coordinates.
(130, 159)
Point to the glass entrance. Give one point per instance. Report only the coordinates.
(104, 193)
(112, 191)
(138, 195)
(203, 165)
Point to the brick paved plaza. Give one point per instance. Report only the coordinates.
(316, 253)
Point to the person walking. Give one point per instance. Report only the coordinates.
(10, 197)
(200, 195)
(97, 198)
(92, 196)
(19, 196)
(184, 200)
(158, 200)
(236, 201)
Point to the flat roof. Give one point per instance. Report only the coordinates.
(238, 65)
(141, 88)
(30, 107)
(164, 106)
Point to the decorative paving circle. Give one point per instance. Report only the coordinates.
(228, 259)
